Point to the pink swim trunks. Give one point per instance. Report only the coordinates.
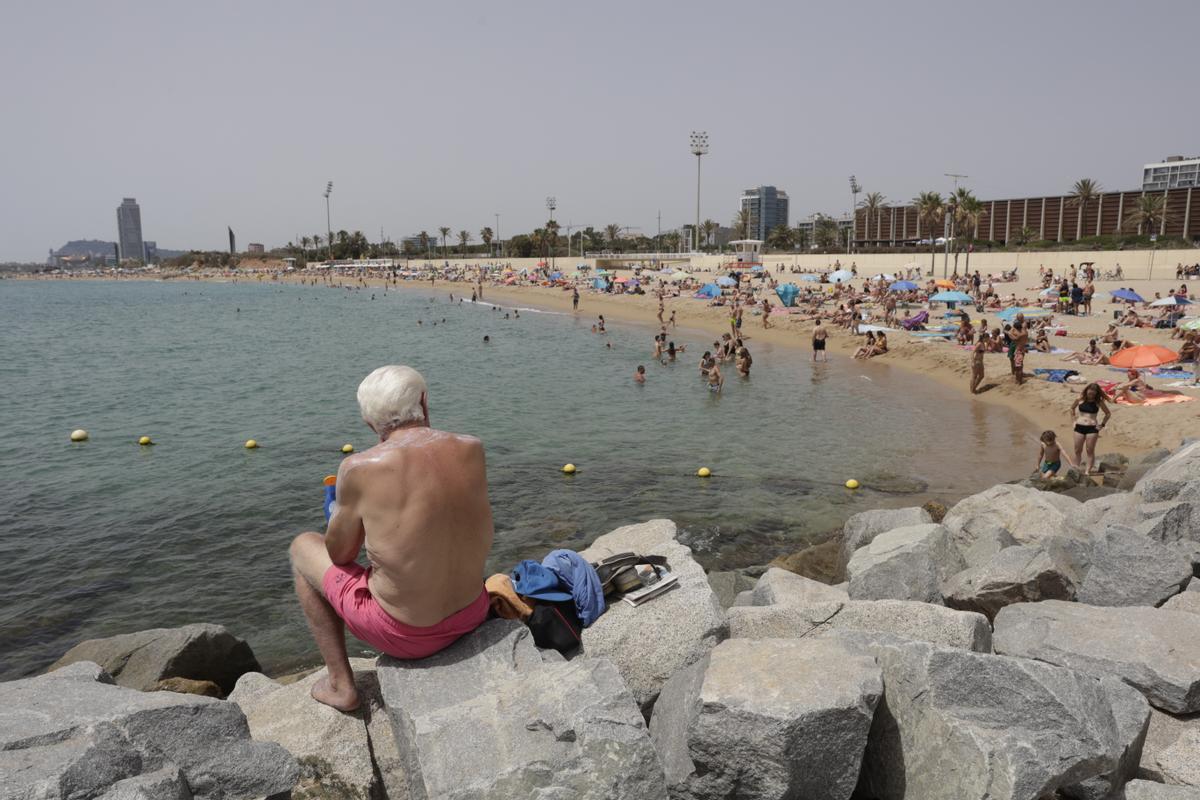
(345, 587)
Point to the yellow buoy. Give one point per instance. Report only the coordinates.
(79, 435)
(852, 484)
(145, 440)
(704, 472)
(251, 444)
(347, 448)
(569, 469)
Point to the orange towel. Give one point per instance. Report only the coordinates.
(505, 601)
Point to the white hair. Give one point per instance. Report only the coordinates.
(390, 397)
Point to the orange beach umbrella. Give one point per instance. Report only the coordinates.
(942, 283)
(1142, 356)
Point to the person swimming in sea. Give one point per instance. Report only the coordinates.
(639, 376)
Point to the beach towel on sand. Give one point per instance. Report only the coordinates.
(1056, 375)
(1151, 397)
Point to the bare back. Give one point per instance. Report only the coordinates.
(422, 499)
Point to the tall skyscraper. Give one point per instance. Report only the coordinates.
(129, 231)
(768, 208)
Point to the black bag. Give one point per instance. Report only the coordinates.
(555, 625)
(618, 572)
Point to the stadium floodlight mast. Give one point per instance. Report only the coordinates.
(854, 190)
(552, 203)
(328, 225)
(699, 147)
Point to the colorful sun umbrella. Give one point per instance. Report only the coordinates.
(952, 297)
(1127, 294)
(902, 286)
(1143, 356)
(1172, 300)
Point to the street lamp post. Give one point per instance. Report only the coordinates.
(499, 241)
(699, 147)
(328, 225)
(551, 203)
(854, 190)
(947, 232)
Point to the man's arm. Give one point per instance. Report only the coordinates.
(345, 533)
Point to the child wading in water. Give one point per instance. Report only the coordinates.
(1051, 456)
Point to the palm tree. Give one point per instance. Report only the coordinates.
(709, 227)
(801, 237)
(969, 211)
(486, 235)
(1149, 210)
(872, 205)
(304, 243)
(825, 232)
(930, 210)
(444, 231)
(1083, 192)
(463, 238)
(1026, 235)
(316, 240)
(673, 240)
(780, 238)
(423, 238)
(552, 236)
(612, 233)
(741, 224)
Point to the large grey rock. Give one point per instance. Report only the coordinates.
(728, 585)
(1173, 522)
(1131, 713)
(1147, 790)
(1021, 574)
(955, 725)
(337, 756)
(487, 718)
(862, 528)
(1167, 478)
(650, 643)
(140, 660)
(767, 719)
(70, 734)
(1027, 514)
(165, 784)
(1114, 509)
(987, 545)
(778, 586)
(914, 620)
(1184, 601)
(1128, 569)
(1170, 752)
(1155, 651)
(904, 564)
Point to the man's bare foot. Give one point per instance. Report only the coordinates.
(343, 699)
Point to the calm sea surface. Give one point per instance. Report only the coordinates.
(108, 537)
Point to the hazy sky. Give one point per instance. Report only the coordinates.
(443, 113)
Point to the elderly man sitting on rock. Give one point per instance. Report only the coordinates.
(419, 501)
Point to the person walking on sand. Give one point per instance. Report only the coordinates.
(977, 352)
(819, 335)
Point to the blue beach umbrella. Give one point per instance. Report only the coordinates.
(787, 294)
(1172, 300)
(555, 276)
(952, 297)
(1127, 294)
(725, 281)
(709, 290)
(841, 276)
(757, 268)
(1009, 314)
(810, 278)
(903, 286)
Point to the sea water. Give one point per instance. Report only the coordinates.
(106, 536)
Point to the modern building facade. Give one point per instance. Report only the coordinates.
(1058, 218)
(129, 231)
(1173, 172)
(768, 208)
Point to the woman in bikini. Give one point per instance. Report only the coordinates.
(1090, 355)
(1085, 412)
(867, 348)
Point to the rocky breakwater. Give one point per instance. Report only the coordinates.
(1028, 646)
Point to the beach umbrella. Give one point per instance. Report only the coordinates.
(902, 286)
(841, 276)
(757, 268)
(556, 276)
(680, 276)
(1172, 300)
(1142, 356)
(1051, 292)
(787, 294)
(621, 280)
(709, 290)
(952, 297)
(724, 281)
(1191, 325)
(942, 283)
(1127, 294)
(809, 277)
(666, 271)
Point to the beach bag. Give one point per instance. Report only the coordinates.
(555, 625)
(618, 573)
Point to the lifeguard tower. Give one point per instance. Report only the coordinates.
(747, 254)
